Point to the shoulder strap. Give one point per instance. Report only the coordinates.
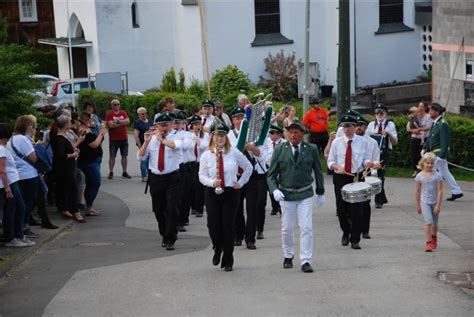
(386, 123)
(24, 158)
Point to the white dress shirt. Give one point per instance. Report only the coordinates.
(373, 128)
(372, 148)
(209, 121)
(360, 153)
(269, 148)
(233, 135)
(171, 156)
(203, 144)
(232, 161)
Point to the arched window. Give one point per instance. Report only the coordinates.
(135, 24)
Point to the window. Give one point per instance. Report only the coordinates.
(391, 17)
(390, 11)
(267, 23)
(27, 10)
(470, 70)
(135, 24)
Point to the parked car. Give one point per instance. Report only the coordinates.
(62, 90)
(47, 86)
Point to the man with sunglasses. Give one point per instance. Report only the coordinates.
(385, 133)
(162, 151)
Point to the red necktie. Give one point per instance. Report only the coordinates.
(161, 157)
(221, 169)
(196, 150)
(348, 163)
(380, 127)
(204, 122)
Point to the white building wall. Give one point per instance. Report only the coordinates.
(86, 13)
(385, 57)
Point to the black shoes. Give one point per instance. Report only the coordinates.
(216, 259)
(111, 175)
(306, 268)
(237, 242)
(251, 246)
(275, 212)
(181, 229)
(48, 225)
(170, 246)
(164, 243)
(355, 246)
(228, 268)
(288, 263)
(455, 196)
(259, 235)
(125, 175)
(199, 215)
(345, 239)
(378, 205)
(366, 235)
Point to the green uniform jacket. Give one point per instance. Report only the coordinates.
(439, 139)
(284, 172)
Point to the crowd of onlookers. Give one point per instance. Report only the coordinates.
(61, 165)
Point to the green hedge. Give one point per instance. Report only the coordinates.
(102, 101)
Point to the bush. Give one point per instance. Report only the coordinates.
(197, 88)
(228, 81)
(168, 82)
(283, 71)
(462, 138)
(181, 83)
(46, 62)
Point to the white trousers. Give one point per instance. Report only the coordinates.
(442, 167)
(303, 210)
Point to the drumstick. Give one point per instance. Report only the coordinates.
(346, 173)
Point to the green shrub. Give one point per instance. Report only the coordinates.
(46, 61)
(283, 72)
(168, 82)
(197, 88)
(229, 80)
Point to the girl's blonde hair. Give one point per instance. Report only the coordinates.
(429, 156)
(227, 145)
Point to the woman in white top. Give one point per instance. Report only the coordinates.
(218, 172)
(23, 152)
(14, 207)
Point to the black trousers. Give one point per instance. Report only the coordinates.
(254, 193)
(197, 202)
(320, 139)
(415, 146)
(164, 201)
(221, 212)
(349, 214)
(381, 198)
(66, 191)
(366, 212)
(187, 173)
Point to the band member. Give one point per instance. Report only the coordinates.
(290, 180)
(186, 168)
(348, 158)
(237, 115)
(385, 133)
(274, 139)
(218, 172)
(438, 143)
(201, 143)
(206, 113)
(162, 152)
(374, 156)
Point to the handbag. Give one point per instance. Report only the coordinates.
(43, 164)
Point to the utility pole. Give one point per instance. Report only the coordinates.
(71, 65)
(344, 63)
(306, 58)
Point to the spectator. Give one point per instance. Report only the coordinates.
(90, 158)
(117, 121)
(64, 165)
(316, 120)
(13, 207)
(416, 138)
(90, 108)
(23, 152)
(140, 126)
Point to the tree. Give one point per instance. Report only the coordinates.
(283, 71)
(16, 85)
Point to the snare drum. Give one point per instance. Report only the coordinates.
(356, 192)
(376, 184)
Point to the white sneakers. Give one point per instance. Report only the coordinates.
(17, 243)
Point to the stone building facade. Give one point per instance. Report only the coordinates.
(453, 54)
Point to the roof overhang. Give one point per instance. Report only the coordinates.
(64, 42)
